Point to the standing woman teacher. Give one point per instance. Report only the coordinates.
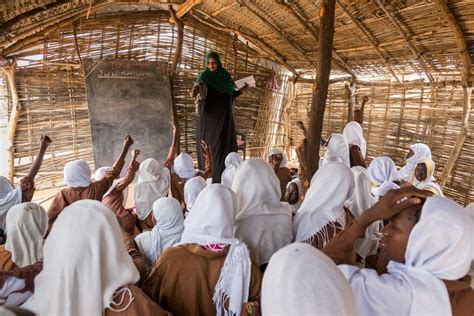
(214, 94)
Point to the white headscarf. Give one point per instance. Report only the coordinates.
(301, 280)
(295, 207)
(184, 166)
(276, 151)
(232, 161)
(77, 174)
(9, 197)
(381, 170)
(440, 247)
(26, 226)
(263, 222)
(212, 222)
(100, 174)
(85, 263)
(355, 136)
(429, 183)
(153, 183)
(337, 150)
(385, 187)
(192, 188)
(330, 187)
(420, 151)
(360, 202)
(167, 231)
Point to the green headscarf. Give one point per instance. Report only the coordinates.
(220, 79)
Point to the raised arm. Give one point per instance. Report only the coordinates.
(132, 170)
(44, 143)
(359, 113)
(173, 151)
(118, 164)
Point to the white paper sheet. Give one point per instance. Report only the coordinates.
(250, 80)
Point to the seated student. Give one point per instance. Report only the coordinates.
(86, 268)
(210, 271)
(231, 162)
(382, 170)
(183, 166)
(114, 197)
(263, 222)
(337, 150)
(77, 175)
(277, 159)
(10, 196)
(294, 194)
(416, 152)
(26, 227)
(322, 213)
(429, 245)
(301, 280)
(192, 188)
(357, 145)
(153, 183)
(167, 231)
(17, 286)
(423, 177)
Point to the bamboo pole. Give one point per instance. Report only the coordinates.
(13, 120)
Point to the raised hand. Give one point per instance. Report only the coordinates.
(128, 141)
(45, 140)
(135, 154)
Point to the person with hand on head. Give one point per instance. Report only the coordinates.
(277, 160)
(77, 175)
(429, 242)
(10, 196)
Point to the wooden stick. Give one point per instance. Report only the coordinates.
(185, 8)
(351, 89)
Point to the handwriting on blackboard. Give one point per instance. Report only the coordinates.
(122, 74)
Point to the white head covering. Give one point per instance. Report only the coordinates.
(85, 263)
(263, 222)
(192, 188)
(276, 151)
(440, 247)
(355, 136)
(9, 197)
(26, 226)
(360, 202)
(337, 150)
(212, 222)
(420, 151)
(77, 174)
(385, 187)
(330, 187)
(167, 231)
(153, 183)
(429, 183)
(232, 161)
(295, 207)
(470, 210)
(301, 280)
(184, 166)
(100, 174)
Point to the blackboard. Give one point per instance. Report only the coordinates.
(126, 96)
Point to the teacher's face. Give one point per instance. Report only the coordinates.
(212, 64)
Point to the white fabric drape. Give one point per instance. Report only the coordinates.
(337, 150)
(420, 151)
(192, 188)
(77, 174)
(9, 197)
(232, 161)
(355, 136)
(184, 166)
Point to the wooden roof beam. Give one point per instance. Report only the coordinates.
(416, 53)
(272, 25)
(367, 35)
(251, 38)
(186, 7)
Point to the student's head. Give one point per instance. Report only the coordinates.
(424, 170)
(397, 231)
(77, 174)
(421, 172)
(277, 157)
(213, 61)
(292, 194)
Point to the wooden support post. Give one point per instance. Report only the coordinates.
(318, 103)
(466, 87)
(185, 8)
(9, 72)
(351, 90)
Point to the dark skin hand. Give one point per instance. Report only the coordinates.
(421, 173)
(292, 194)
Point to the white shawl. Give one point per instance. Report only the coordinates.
(263, 222)
(440, 247)
(167, 231)
(429, 183)
(232, 161)
(26, 226)
(330, 187)
(337, 150)
(184, 166)
(100, 174)
(381, 170)
(77, 174)
(212, 222)
(192, 188)
(355, 136)
(420, 151)
(153, 182)
(301, 280)
(9, 197)
(85, 263)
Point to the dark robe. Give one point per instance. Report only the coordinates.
(217, 127)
